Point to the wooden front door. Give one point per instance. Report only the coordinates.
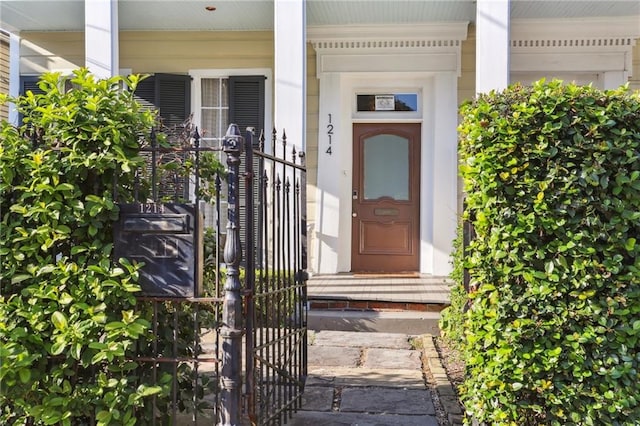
(386, 197)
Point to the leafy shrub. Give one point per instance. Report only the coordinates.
(552, 176)
(68, 323)
(452, 317)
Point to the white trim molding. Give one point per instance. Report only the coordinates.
(196, 87)
(360, 48)
(598, 45)
(422, 59)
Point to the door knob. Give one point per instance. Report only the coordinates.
(354, 214)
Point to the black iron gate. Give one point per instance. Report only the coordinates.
(276, 304)
(230, 346)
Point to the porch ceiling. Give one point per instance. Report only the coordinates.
(68, 15)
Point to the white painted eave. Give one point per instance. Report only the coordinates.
(620, 26)
(434, 47)
(593, 45)
(430, 31)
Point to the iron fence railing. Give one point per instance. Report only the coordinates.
(185, 351)
(276, 327)
(249, 297)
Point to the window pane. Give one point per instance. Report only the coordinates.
(224, 122)
(209, 123)
(224, 98)
(210, 92)
(386, 167)
(379, 102)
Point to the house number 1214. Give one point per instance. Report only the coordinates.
(329, 134)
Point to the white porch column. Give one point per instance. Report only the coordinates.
(445, 172)
(290, 45)
(14, 75)
(101, 37)
(331, 204)
(492, 45)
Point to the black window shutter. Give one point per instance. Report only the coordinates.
(246, 109)
(145, 92)
(170, 94)
(173, 97)
(246, 102)
(29, 83)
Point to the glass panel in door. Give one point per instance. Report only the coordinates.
(386, 167)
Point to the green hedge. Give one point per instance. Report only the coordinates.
(68, 318)
(452, 317)
(552, 177)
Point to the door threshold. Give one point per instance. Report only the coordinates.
(386, 274)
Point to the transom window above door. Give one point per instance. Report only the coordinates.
(399, 102)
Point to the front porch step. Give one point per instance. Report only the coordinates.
(407, 322)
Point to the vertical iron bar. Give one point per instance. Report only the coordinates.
(277, 290)
(303, 266)
(261, 199)
(154, 154)
(249, 273)
(174, 391)
(154, 346)
(273, 284)
(298, 295)
(231, 330)
(136, 186)
(261, 256)
(198, 265)
(198, 260)
(265, 285)
(218, 232)
(287, 293)
(293, 321)
(279, 277)
(196, 364)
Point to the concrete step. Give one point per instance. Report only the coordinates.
(407, 322)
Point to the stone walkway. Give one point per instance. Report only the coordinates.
(364, 378)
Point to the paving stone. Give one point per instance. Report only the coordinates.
(361, 339)
(431, 353)
(333, 356)
(451, 405)
(320, 377)
(388, 389)
(455, 419)
(434, 363)
(311, 418)
(387, 401)
(317, 398)
(446, 390)
(340, 376)
(398, 358)
(438, 370)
